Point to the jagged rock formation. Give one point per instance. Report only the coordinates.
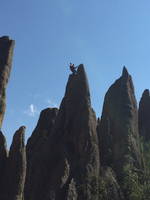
(3, 165)
(70, 162)
(16, 167)
(118, 129)
(63, 152)
(6, 52)
(144, 115)
(42, 130)
(76, 126)
(12, 167)
(35, 153)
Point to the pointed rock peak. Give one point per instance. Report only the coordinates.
(146, 93)
(125, 72)
(21, 130)
(144, 115)
(81, 69)
(45, 112)
(6, 40)
(6, 54)
(16, 170)
(77, 86)
(5, 37)
(47, 117)
(18, 139)
(82, 74)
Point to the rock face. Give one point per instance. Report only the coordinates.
(118, 129)
(35, 154)
(6, 52)
(63, 152)
(16, 168)
(76, 128)
(3, 164)
(41, 132)
(70, 161)
(144, 115)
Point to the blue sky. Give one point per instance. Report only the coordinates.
(104, 35)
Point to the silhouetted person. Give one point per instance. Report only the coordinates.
(73, 68)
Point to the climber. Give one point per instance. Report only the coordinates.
(73, 68)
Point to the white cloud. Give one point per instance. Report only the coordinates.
(31, 111)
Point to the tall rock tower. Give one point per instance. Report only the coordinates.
(6, 53)
(16, 166)
(144, 115)
(68, 164)
(118, 129)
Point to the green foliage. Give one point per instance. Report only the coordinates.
(102, 189)
(132, 187)
(136, 184)
(109, 188)
(146, 153)
(89, 189)
(145, 146)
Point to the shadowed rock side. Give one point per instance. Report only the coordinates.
(63, 161)
(3, 163)
(16, 168)
(118, 129)
(42, 130)
(144, 115)
(34, 150)
(6, 52)
(70, 162)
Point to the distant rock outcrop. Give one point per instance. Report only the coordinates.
(144, 115)
(16, 166)
(118, 129)
(6, 52)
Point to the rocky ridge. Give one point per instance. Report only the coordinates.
(71, 155)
